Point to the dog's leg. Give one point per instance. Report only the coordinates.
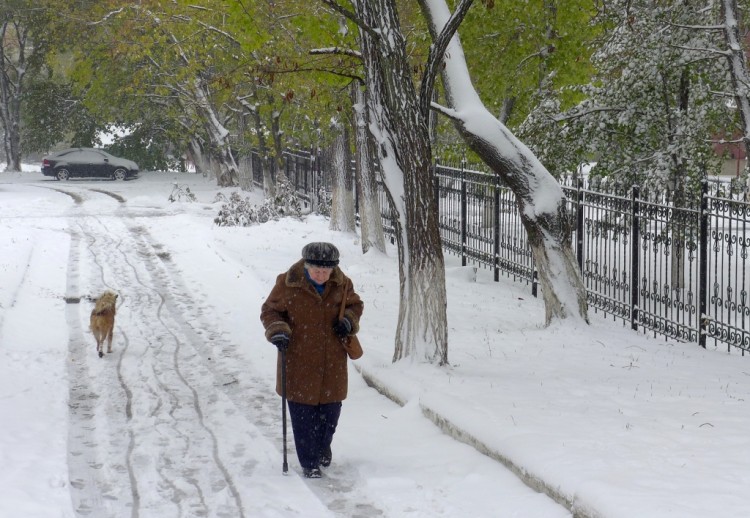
(109, 339)
(99, 341)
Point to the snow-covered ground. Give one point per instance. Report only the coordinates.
(181, 420)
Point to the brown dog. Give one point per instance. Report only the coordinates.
(102, 322)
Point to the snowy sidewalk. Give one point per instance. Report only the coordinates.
(610, 425)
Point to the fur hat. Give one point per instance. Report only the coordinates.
(321, 254)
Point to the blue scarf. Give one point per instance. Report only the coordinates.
(318, 287)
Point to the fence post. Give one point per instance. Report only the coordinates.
(436, 186)
(355, 186)
(496, 246)
(464, 202)
(703, 267)
(634, 255)
(579, 225)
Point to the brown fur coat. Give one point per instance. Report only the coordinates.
(316, 360)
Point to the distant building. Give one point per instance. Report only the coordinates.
(734, 155)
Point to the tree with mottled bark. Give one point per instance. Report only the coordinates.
(737, 58)
(398, 121)
(371, 223)
(342, 202)
(24, 45)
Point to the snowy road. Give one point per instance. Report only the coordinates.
(159, 427)
(181, 420)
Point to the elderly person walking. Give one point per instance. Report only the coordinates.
(313, 313)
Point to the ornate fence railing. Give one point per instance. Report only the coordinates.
(678, 272)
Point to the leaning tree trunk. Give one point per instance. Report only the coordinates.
(403, 147)
(228, 173)
(541, 201)
(195, 153)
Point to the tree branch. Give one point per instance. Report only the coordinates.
(297, 70)
(584, 113)
(448, 112)
(723, 53)
(698, 27)
(336, 51)
(437, 52)
(351, 17)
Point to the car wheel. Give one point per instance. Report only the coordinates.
(62, 174)
(119, 174)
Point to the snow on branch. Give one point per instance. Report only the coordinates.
(723, 53)
(448, 112)
(437, 52)
(338, 51)
(107, 16)
(698, 27)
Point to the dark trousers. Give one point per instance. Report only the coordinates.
(313, 427)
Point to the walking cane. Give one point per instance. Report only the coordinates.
(285, 465)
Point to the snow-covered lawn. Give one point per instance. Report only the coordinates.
(181, 419)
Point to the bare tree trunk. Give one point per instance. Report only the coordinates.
(195, 152)
(243, 158)
(278, 145)
(737, 56)
(677, 227)
(227, 173)
(371, 222)
(13, 37)
(342, 205)
(542, 203)
(252, 109)
(506, 109)
(403, 145)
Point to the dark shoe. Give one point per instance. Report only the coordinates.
(325, 457)
(312, 472)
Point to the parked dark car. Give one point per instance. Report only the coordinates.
(84, 162)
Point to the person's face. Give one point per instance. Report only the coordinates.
(319, 274)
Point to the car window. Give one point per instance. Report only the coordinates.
(73, 157)
(90, 157)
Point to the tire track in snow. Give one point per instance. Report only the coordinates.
(144, 251)
(253, 397)
(115, 477)
(165, 359)
(161, 330)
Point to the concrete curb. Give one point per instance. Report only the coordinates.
(449, 428)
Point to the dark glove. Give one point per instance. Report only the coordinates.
(281, 341)
(342, 327)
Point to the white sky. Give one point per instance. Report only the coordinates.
(181, 419)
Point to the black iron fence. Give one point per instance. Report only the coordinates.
(303, 169)
(678, 272)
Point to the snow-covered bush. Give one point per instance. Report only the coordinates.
(286, 200)
(180, 193)
(324, 202)
(239, 212)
